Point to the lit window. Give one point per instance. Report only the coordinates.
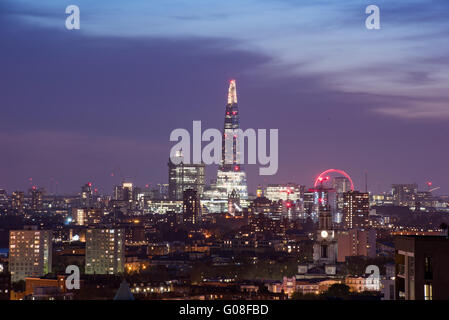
(428, 292)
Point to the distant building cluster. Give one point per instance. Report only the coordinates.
(188, 239)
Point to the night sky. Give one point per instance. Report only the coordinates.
(79, 105)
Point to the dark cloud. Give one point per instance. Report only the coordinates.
(76, 107)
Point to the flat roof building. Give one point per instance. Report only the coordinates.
(105, 251)
(30, 253)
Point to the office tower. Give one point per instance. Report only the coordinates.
(314, 199)
(355, 242)
(340, 186)
(356, 209)
(422, 263)
(105, 251)
(424, 200)
(36, 198)
(185, 176)
(404, 194)
(230, 176)
(17, 201)
(191, 206)
(87, 195)
(309, 202)
(124, 192)
(30, 253)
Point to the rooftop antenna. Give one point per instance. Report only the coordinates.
(366, 181)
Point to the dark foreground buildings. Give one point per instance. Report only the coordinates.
(422, 267)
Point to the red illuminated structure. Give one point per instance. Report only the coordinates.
(323, 177)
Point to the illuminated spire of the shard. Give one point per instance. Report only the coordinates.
(231, 176)
(232, 92)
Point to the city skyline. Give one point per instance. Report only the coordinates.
(214, 158)
(78, 106)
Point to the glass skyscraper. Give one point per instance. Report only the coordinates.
(185, 176)
(230, 174)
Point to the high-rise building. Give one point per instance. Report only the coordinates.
(105, 251)
(17, 201)
(356, 209)
(340, 186)
(191, 206)
(36, 198)
(404, 194)
(185, 176)
(314, 200)
(309, 203)
(230, 175)
(87, 195)
(124, 192)
(30, 253)
(79, 216)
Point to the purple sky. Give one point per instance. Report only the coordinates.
(79, 105)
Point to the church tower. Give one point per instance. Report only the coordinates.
(325, 247)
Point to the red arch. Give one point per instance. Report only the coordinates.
(322, 174)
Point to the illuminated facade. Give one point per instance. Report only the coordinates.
(30, 253)
(404, 194)
(87, 196)
(80, 216)
(356, 209)
(340, 185)
(191, 206)
(36, 198)
(17, 201)
(105, 251)
(289, 191)
(361, 284)
(163, 206)
(355, 242)
(124, 192)
(230, 174)
(185, 176)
